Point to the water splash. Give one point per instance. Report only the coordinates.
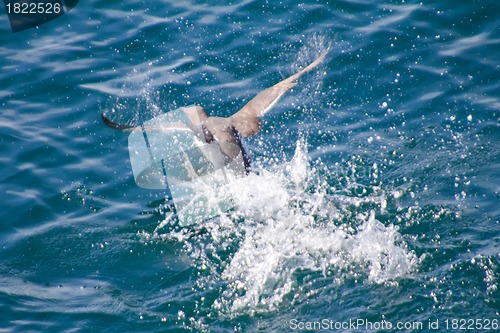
(312, 47)
(286, 222)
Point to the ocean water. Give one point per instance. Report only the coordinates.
(374, 196)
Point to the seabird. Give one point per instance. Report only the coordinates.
(229, 131)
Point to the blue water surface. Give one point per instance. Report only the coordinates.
(375, 191)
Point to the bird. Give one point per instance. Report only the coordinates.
(229, 131)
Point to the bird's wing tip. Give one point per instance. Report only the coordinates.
(114, 125)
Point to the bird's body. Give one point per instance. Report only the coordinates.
(229, 131)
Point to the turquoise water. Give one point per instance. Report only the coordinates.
(374, 193)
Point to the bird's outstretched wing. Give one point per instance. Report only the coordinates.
(196, 115)
(246, 121)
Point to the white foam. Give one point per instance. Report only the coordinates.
(286, 221)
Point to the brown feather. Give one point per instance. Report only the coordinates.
(246, 121)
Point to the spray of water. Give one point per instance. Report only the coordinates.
(285, 221)
(289, 219)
